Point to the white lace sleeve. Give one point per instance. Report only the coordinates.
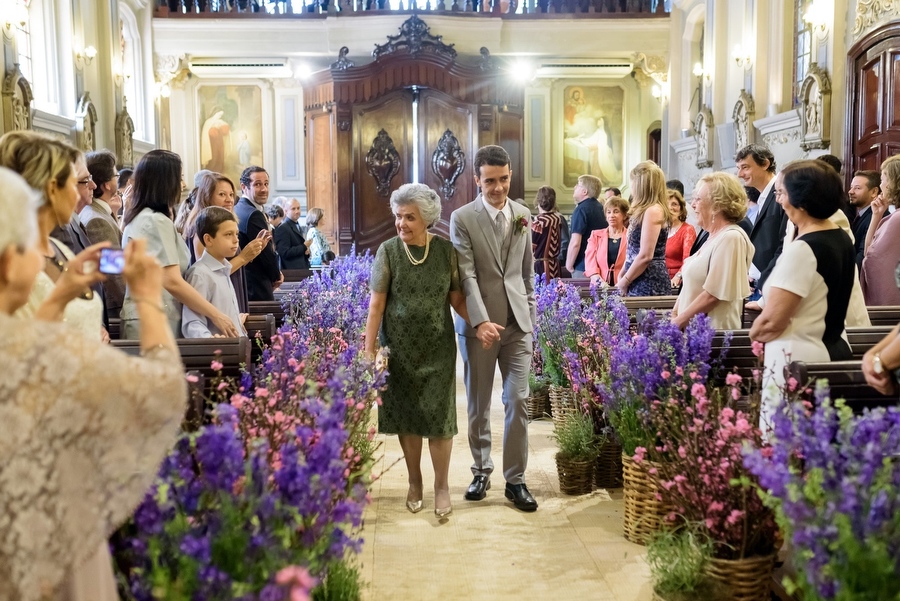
(83, 429)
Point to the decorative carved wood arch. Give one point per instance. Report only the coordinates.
(348, 106)
(17, 101)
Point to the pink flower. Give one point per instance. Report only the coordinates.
(192, 378)
(735, 516)
(639, 453)
(698, 390)
(735, 394)
(665, 375)
(222, 386)
(792, 384)
(681, 452)
(262, 392)
(216, 365)
(733, 379)
(679, 371)
(757, 348)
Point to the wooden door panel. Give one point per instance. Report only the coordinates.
(870, 158)
(372, 218)
(439, 113)
(890, 149)
(870, 96)
(320, 192)
(892, 89)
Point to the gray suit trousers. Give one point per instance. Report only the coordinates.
(513, 354)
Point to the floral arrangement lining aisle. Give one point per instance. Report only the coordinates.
(265, 503)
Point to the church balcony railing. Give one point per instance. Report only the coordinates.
(481, 8)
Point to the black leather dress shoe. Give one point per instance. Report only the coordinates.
(477, 489)
(521, 498)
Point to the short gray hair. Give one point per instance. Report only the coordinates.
(18, 205)
(422, 196)
(280, 201)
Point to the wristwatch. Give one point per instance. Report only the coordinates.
(876, 364)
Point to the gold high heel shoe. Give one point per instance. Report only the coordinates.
(415, 506)
(442, 513)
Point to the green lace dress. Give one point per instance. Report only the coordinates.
(417, 328)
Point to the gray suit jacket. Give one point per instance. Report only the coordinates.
(101, 227)
(488, 284)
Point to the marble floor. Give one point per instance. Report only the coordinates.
(571, 548)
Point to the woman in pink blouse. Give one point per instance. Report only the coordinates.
(681, 236)
(882, 250)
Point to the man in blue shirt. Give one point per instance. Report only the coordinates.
(587, 217)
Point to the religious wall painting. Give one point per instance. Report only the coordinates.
(593, 133)
(230, 128)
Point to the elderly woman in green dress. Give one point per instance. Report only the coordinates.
(414, 283)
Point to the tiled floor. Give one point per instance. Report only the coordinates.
(571, 548)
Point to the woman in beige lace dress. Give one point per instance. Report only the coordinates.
(83, 427)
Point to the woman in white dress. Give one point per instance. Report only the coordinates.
(84, 426)
(808, 292)
(714, 281)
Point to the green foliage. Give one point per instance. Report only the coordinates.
(341, 584)
(629, 423)
(537, 384)
(576, 437)
(677, 559)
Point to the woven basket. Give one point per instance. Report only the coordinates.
(746, 579)
(643, 512)
(536, 405)
(608, 473)
(576, 477)
(562, 404)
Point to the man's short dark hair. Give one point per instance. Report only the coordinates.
(833, 161)
(615, 191)
(674, 184)
(759, 153)
(274, 212)
(245, 175)
(494, 156)
(101, 164)
(209, 220)
(124, 176)
(872, 177)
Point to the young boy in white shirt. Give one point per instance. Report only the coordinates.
(217, 228)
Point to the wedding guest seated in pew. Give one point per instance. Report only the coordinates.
(808, 291)
(882, 249)
(210, 275)
(645, 273)
(605, 255)
(881, 363)
(681, 237)
(56, 170)
(217, 190)
(157, 188)
(86, 426)
(714, 281)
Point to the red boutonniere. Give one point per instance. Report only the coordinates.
(521, 224)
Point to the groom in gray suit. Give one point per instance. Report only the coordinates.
(492, 236)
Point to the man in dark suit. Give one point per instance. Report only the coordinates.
(263, 274)
(756, 168)
(290, 239)
(864, 188)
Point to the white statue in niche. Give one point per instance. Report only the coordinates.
(813, 111)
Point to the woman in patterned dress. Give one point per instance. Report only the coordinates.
(414, 283)
(546, 234)
(645, 273)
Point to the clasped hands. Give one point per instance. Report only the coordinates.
(488, 333)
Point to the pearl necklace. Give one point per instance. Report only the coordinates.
(410, 256)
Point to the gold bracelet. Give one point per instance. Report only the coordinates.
(146, 301)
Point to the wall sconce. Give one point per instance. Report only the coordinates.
(741, 57)
(18, 17)
(817, 16)
(84, 57)
(661, 93)
(700, 72)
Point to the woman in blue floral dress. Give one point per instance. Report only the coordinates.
(645, 272)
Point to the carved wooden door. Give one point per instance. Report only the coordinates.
(383, 147)
(873, 113)
(448, 139)
(382, 162)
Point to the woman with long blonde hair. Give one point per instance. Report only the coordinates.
(645, 272)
